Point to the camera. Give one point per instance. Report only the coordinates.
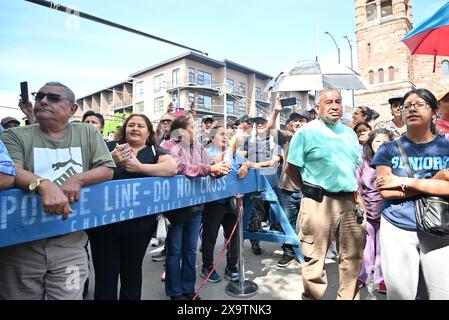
(285, 102)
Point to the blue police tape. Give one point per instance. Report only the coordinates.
(22, 218)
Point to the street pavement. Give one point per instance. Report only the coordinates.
(274, 283)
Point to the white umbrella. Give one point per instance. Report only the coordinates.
(312, 75)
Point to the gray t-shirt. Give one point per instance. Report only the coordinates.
(83, 148)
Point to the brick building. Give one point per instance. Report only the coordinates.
(385, 62)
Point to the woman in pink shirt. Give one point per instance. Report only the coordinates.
(193, 161)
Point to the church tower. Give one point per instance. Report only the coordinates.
(383, 60)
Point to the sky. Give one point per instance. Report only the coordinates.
(38, 44)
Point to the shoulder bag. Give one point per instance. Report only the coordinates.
(432, 212)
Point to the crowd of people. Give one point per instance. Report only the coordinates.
(336, 183)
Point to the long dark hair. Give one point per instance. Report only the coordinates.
(429, 98)
(151, 138)
(368, 152)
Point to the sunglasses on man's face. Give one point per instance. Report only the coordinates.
(166, 121)
(51, 97)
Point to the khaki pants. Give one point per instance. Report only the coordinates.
(320, 221)
(53, 269)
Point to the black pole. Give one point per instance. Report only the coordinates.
(58, 7)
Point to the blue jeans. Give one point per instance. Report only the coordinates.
(290, 202)
(181, 244)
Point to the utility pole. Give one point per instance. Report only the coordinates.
(336, 45)
(352, 67)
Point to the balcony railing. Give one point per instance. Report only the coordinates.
(188, 82)
(216, 109)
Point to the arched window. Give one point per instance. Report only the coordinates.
(391, 74)
(371, 77)
(381, 75)
(445, 67)
(371, 10)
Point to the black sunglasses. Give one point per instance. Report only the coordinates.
(51, 97)
(164, 121)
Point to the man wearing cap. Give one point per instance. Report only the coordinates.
(443, 109)
(323, 158)
(245, 125)
(290, 193)
(207, 123)
(231, 128)
(10, 122)
(395, 125)
(261, 149)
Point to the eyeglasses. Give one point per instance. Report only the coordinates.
(51, 97)
(417, 106)
(166, 121)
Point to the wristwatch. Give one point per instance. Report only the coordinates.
(35, 183)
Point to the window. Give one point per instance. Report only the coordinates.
(158, 81)
(205, 102)
(175, 77)
(204, 78)
(381, 75)
(230, 106)
(386, 9)
(258, 93)
(230, 85)
(391, 74)
(369, 48)
(445, 67)
(242, 88)
(191, 97)
(159, 105)
(242, 108)
(371, 77)
(140, 89)
(140, 107)
(191, 75)
(371, 11)
(174, 98)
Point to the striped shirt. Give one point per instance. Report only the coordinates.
(6, 164)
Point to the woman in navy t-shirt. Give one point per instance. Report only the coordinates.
(119, 248)
(405, 249)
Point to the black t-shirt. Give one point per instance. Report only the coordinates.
(149, 155)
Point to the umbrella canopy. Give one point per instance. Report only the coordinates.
(312, 75)
(431, 36)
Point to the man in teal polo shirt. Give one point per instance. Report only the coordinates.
(323, 157)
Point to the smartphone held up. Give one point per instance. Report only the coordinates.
(24, 92)
(287, 102)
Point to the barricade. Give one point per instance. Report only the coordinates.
(22, 218)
